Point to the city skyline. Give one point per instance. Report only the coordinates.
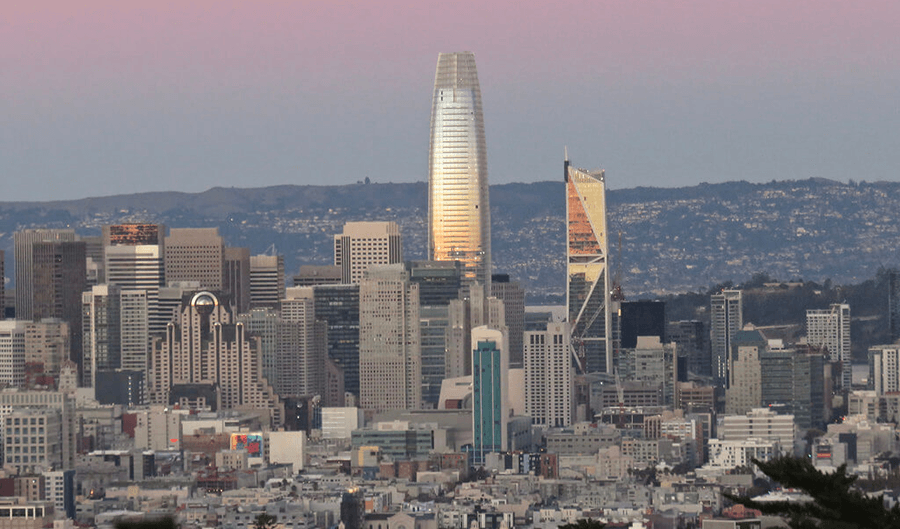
(104, 98)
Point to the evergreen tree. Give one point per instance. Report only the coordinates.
(584, 523)
(835, 502)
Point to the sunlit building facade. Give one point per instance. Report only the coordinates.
(459, 220)
(587, 282)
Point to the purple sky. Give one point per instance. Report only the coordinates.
(106, 97)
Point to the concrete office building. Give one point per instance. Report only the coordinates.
(314, 275)
(58, 277)
(266, 280)
(744, 391)
(32, 440)
(363, 244)
(338, 307)
(48, 344)
(133, 257)
(793, 381)
(884, 368)
(692, 340)
(894, 304)
(300, 348)
(24, 257)
(390, 362)
(115, 331)
(760, 423)
(459, 221)
(512, 295)
(12, 352)
(2, 284)
(587, 280)
(652, 363)
(14, 401)
(439, 284)
(195, 254)
(830, 328)
(101, 332)
(726, 319)
(548, 376)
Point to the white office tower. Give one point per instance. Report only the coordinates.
(459, 218)
(548, 376)
(134, 330)
(490, 392)
(363, 244)
(134, 254)
(830, 328)
(884, 368)
(266, 280)
(726, 319)
(12, 352)
(115, 331)
(390, 365)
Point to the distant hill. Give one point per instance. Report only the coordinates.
(673, 240)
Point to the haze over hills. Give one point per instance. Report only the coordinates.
(672, 240)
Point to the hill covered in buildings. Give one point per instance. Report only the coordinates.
(672, 240)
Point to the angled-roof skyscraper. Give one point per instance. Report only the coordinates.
(587, 282)
(459, 218)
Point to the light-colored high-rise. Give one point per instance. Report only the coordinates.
(548, 376)
(831, 328)
(12, 352)
(744, 391)
(588, 293)
(133, 255)
(390, 357)
(725, 320)
(884, 368)
(459, 219)
(363, 244)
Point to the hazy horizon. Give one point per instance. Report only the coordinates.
(102, 98)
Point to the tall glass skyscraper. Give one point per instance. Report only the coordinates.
(588, 293)
(459, 218)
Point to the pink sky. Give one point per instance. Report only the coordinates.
(109, 96)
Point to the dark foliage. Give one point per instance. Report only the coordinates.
(584, 523)
(836, 503)
(166, 522)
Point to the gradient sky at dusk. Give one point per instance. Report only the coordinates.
(109, 97)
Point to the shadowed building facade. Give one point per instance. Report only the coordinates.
(459, 221)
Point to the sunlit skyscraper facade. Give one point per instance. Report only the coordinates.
(587, 282)
(459, 220)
